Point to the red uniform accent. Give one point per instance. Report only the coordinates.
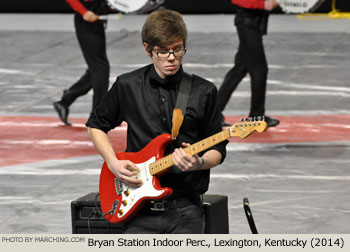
(78, 6)
(250, 4)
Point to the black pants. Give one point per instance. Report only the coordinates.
(92, 41)
(178, 219)
(251, 59)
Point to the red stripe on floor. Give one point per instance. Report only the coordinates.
(294, 129)
(32, 139)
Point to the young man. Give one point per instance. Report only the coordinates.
(251, 23)
(145, 99)
(91, 36)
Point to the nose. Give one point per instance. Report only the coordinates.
(171, 56)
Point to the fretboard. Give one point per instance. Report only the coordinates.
(161, 165)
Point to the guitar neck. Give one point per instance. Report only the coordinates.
(161, 165)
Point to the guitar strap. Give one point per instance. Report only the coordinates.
(181, 104)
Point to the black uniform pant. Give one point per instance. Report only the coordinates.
(92, 41)
(251, 59)
(176, 219)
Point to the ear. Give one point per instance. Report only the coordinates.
(145, 47)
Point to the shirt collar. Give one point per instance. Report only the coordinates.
(168, 82)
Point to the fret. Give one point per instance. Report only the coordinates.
(170, 160)
(203, 145)
(166, 161)
(193, 148)
(207, 142)
(200, 145)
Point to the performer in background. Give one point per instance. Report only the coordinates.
(91, 36)
(251, 23)
(145, 99)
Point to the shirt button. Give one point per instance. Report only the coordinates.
(163, 119)
(163, 99)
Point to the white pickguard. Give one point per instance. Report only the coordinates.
(146, 190)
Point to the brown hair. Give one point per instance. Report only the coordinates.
(163, 27)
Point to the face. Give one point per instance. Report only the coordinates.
(166, 66)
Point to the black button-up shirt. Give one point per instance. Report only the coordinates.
(146, 102)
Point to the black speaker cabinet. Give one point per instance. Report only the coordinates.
(87, 219)
(216, 214)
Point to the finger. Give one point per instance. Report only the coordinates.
(177, 158)
(183, 155)
(185, 144)
(182, 160)
(132, 182)
(131, 166)
(127, 173)
(135, 182)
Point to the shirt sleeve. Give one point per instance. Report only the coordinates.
(107, 114)
(250, 4)
(77, 6)
(212, 121)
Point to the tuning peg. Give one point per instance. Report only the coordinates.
(259, 118)
(263, 118)
(242, 120)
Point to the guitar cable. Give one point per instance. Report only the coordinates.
(96, 212)
(98, 208)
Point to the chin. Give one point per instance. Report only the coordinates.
(171, 72)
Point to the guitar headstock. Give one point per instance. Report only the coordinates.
(248, 126)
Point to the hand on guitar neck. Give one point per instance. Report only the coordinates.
(184, 161)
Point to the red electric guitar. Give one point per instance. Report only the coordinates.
(120, 202)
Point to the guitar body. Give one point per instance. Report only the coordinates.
(122, 202)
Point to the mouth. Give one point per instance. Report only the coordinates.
(171, 67)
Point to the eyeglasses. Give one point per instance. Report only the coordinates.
(166, 54)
